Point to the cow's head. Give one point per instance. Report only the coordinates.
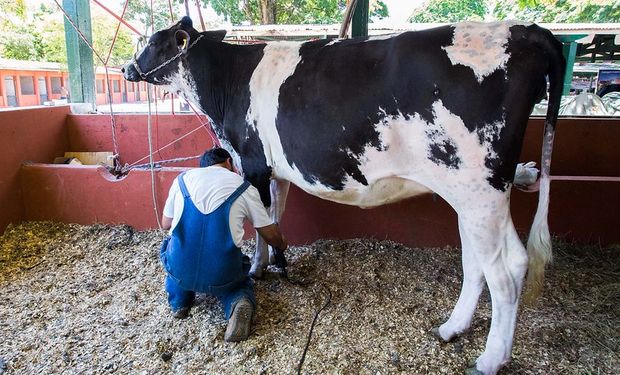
(159, 60)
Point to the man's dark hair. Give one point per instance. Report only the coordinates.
(213, 156)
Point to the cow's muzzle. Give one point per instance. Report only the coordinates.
(130, 73)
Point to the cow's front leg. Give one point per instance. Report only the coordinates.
(263, 256)
(279, 193)
(260, 259)
(260, 178)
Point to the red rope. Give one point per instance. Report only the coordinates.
(209, 128)
(116, 33)
(118, 18)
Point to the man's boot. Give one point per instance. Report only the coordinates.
(238, 328)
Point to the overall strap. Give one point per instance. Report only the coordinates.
(184, 190)
(237, 192)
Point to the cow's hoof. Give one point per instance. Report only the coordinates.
(435, 332)
(473, 371)
(257, 274)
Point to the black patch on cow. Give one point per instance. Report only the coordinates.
(525, 81)
(340, 92)
(445, 153)
(226, 98)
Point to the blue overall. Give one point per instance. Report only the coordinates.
(201, 256)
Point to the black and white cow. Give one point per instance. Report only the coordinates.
(370, 121)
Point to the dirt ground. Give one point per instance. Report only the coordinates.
(89, 299)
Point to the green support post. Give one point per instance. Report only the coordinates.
(359, 23)
(570, 52)
(79, 55)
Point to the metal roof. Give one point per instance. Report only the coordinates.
(43, 66)
(377, 28)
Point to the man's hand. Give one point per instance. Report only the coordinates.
(272, 235)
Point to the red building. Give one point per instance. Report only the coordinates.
(30, 83)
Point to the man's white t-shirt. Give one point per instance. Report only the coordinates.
(208, 188)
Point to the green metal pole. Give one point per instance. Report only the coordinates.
(570, 52)
(79, 55)
(359, 23)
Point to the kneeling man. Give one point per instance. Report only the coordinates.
(205, 211)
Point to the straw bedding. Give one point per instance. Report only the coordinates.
(89, 299)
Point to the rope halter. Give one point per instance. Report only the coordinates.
(165, 63)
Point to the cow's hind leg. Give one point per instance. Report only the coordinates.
(260, 261)
(473, 282)
(491, 235)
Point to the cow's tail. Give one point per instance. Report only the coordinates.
(539, 241)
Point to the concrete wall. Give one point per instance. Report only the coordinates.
(94, 133)
(36, 135)
(89, 194)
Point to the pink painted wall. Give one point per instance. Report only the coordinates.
(94, 133)
(38, 135)
(89, 194)
(579, 211)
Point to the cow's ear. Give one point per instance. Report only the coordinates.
(186, 22)
(182, 38)
(216, 35)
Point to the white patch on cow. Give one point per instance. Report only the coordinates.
(381, 37)
(278, 63)
(490, 133)
(335, 41)
(235, 157)
(181, 81)
(480, 46)
(402, 168)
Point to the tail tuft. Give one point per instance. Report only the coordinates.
(538, 248)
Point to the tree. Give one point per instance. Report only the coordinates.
(156, 18)
(104, 27)
(39, 36)
(526, 10)
(450, 11)
(287, 11)
(560, 11)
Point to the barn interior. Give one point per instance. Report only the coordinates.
(80, 279)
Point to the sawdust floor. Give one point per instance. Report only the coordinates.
(89, 299)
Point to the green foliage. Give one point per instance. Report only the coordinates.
(378, 9)
(104, 27)
(236, 11)
(42, 37)
(450, 11)
(53, 41)
(564, 11)
(290, 11)
(20, 40)
(12, 9)
(140, 11)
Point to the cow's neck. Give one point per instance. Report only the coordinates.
(221, 74)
